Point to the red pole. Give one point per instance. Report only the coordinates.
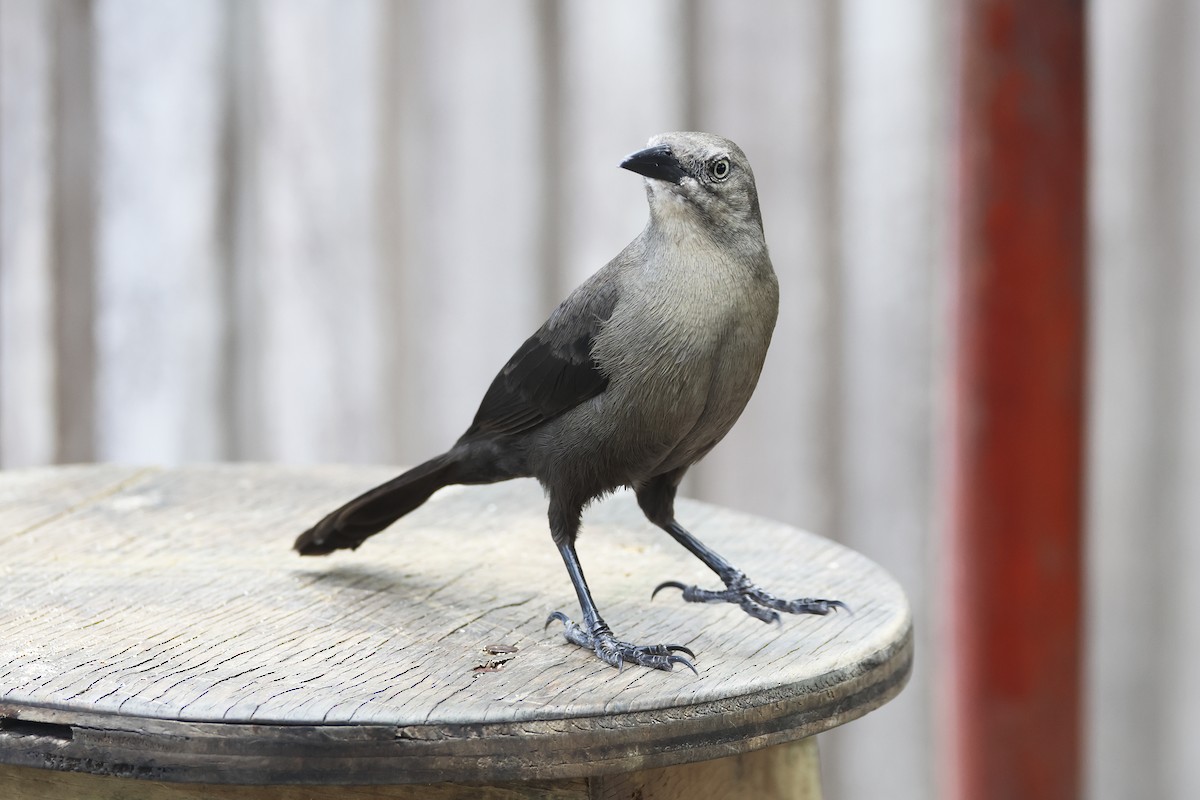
(1017, 445)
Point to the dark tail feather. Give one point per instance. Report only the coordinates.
(369, 513)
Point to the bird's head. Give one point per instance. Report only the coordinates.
(699, 180)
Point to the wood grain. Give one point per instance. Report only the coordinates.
(156, 624)
(784, 772)
(310, 320)
(1143, 633)
(73, 171)
(25, 783)
(467, 286)
(892, 178)
(27, 343)
(159, 293)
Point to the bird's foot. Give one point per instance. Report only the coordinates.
(753, 601)
(612, 651)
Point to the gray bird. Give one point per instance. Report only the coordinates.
(632, 379)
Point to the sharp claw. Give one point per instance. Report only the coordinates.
(684, 661)
(616, 653)
(664, 585)
(754, 601)
(820, 606)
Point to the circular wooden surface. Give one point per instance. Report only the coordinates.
(155, 623)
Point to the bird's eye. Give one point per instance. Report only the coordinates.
(719, 168)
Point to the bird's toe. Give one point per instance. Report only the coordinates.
(754, 601)
(616, 653)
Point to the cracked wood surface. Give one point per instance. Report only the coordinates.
(154, 623)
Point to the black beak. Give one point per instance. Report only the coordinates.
(656, 162)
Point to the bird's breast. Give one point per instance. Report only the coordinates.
(680, 351)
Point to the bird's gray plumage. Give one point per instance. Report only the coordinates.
(637, 374)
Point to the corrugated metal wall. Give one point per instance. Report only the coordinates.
(312, 231)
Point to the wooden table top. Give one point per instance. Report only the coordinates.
(155, 623)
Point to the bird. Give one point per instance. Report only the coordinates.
(632, 379)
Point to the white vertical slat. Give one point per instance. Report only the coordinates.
(1129, 419)
(309, 321)
(892, 173)
(623, 79)
(1143, 511)
(159, 317)
(1144, 635)
(469, 173)
(27, 360)
(779, 459)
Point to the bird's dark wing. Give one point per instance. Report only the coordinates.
(553, 371)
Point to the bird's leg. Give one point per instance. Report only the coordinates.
(657, 499)
(738, 588)
(594, 633)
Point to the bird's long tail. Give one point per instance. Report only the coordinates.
(371, 512)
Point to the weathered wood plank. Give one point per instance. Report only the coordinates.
(310, 316)
(892, 96)
(783, 772)
(26, 783)
(160, 315)
(30, 498)
(1142, 505)
(1132, 420)
(623, 78)
(28, 429)
(168, 624)
(469, 161)
(73, 231)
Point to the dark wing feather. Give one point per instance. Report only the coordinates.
(552, 372)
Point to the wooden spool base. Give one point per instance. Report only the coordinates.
(783, 772)
(157, 631)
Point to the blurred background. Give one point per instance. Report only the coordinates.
(313, 231)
